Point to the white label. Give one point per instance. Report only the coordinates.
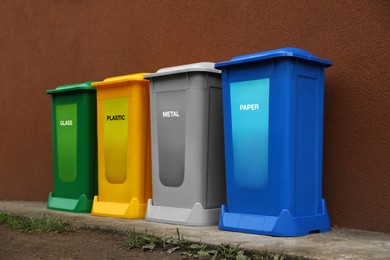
(66, 122)
(170, 114)
(247, 107)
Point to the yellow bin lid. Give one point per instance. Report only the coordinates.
(120, 79)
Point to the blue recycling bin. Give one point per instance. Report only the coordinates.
(273, 105)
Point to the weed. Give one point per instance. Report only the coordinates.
(34, 224)
(143, 241)
(231, 252)
(147, 241)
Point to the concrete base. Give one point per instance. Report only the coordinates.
(337, 244)
(197, 216)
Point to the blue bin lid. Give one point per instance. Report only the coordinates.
(284, 52)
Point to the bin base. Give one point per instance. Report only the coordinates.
(81, 205)
(197, 216)
(119, 210)
(283, 225)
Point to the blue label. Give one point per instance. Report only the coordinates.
(250, 116)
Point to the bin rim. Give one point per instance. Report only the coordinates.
(120, 79)
(277, 53)
(192, 67)
(72, 87)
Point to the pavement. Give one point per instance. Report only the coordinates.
(337, 244)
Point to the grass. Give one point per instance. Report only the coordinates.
(34, 224)
(148, 241)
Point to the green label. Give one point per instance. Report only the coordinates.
(66, 125)
(115, 132)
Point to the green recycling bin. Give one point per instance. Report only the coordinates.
(74, 147)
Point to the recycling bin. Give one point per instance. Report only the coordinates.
(273, 121)
(74, 147)
(187, 145)
(124, 170)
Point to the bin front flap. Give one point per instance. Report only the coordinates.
(284, 52)
(72, 87)
(120, 79)
(193, 67)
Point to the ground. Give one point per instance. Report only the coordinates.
(81, 244)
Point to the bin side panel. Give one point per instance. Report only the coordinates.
(216, 181)
(308, 139)
(305, 146)
(148, 156)
(87, 145)
(137, 143)
(281, 142)
(195, 179)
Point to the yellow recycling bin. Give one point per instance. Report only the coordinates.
(124, 161)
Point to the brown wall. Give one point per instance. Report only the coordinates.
(47, 43)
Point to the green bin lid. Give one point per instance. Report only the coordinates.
(72, 87)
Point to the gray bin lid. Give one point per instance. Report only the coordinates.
(194, 67)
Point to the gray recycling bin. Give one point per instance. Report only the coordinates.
(188, 168)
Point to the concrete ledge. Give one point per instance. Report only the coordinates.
(336, 244)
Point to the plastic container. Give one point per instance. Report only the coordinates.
(273, 118)
(187, 145)
(124, 170)
(74, 147)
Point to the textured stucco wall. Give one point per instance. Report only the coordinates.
(47, 43)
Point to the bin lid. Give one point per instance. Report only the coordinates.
(120, 79)
(72, 87)
(193, 67)
(284, 52)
